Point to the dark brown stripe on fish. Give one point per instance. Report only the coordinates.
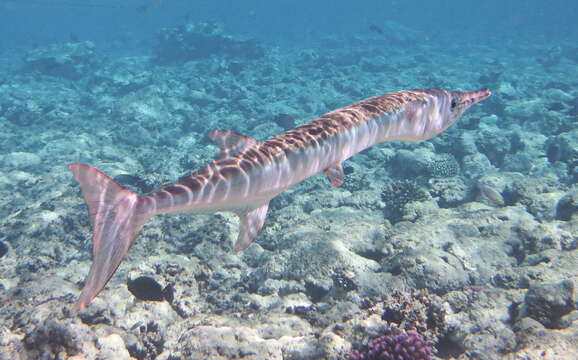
(191, 182)
(323, 127)
(229, 172)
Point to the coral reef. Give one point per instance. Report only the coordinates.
(397, 194)
(66, 60)
(443, 166)
(548, 303)
(403, 346)
(449, 192)
(567, 206)
(53, 337)
(203, 39)
(410, 241)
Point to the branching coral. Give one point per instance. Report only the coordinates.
(401, 346)
(397, 194)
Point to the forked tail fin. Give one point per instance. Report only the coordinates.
(114, 215)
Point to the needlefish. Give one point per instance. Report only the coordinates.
(248, 173)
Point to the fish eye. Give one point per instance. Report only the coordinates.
(453, 104)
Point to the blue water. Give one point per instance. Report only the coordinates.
(24, 23)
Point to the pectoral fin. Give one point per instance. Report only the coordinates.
(335, 174)
(251, 224)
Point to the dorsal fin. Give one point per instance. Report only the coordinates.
(231, 142)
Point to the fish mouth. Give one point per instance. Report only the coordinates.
(472, 97)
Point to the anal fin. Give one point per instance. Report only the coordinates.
(335, 174)
(251, 224)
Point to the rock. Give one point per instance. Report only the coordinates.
(524, 108)
(52, 337)
(3, 249)
(507, 89)
(375, 65)
(309, 349)
(476, 165)
(201, 40)
(529, 326)
(418, 162)
(483, 328)
(401, 34)
(562, 149)
(230, 342)
(112, 347)
(148, 343)
(547, 303)
(432, 269)
(10, 344)
(69, 60)
(316, 289)
(495, 144)
(449, 192)
(539, 195)
(253, 255)
(537, 342)
(20, 161)
(567, 206)
(121, 77)
(568, 319)
(30, 104)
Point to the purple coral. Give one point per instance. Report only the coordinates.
(403, 346)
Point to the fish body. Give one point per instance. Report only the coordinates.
(248, 173)
(493, 196)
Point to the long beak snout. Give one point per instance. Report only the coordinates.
(475, 96)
